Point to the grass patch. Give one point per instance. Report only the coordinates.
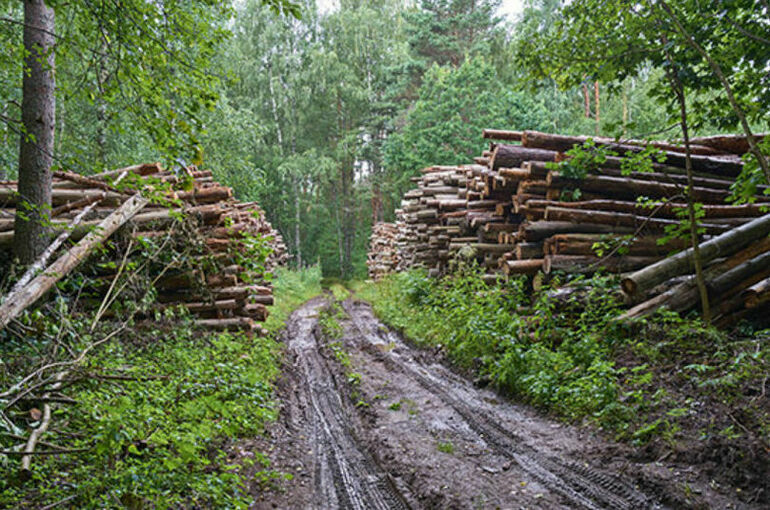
(340, 289)
(291, 288)
(445, 447)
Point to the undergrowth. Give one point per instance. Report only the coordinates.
(663, 382)
(156, 414)
(154, 418)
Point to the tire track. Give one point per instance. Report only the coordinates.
(346, 477)
(581, 485)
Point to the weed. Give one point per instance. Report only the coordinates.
(445, 447)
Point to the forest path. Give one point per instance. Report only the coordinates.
(407, 432)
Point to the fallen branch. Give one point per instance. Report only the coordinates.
(17, 302)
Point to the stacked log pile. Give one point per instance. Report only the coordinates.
(232, 299)
(383, 254)
(516, 214)
(737, 276)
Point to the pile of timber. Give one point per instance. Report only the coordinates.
(736, 273)
(88, 210)
(383, 255)
(515, 214)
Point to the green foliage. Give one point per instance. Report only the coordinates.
(162, 434)
(614, 41)
(444, 32)
(556, 359)
(585, 159)
(445, 447)
(453, 106)
(291, 288)
(329, 321)
(682, 229)
(641, 161)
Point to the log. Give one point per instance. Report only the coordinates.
(512, 156)
(564, 142)
(583, 244)
(517, 174)
(482, 247)
(86, 182)
(539, 230)
(615, 219)
(42, 260)
(664, 210)
(262, 299)
(228, 324)
(756, 295)
(501, 134)
(71, 206)
(529, 250)
(632, 188)
(590, 264)
(529, 266)
(207, 306)
(206, 195)
(672, 175)
(15, 303)
(256, 311)
(9, 196)
(733, 144)
(721, 284)
(723, 245)
(726, 166)
(142, 169)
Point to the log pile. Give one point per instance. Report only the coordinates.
(383, 255)
(233, 298)
(517, 214)
(737, 276)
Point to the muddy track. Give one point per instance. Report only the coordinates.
(580, 485)
(345, 475)
(417, 435)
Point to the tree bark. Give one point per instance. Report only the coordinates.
(726, 166)
(700, 279)
(297, 224)
(38, 115)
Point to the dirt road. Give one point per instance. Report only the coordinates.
(398, 429)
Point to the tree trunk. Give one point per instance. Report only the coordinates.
(38, 115)
(700, 279)
(596, 106)
(348, 220)
(297, 225)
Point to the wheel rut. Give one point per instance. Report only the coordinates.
(346, 476)
(580, 485)
(417, 435)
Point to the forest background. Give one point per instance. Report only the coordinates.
(324, 115)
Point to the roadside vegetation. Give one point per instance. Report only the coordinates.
(291, 288)
(668, 385)
(152, 420)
